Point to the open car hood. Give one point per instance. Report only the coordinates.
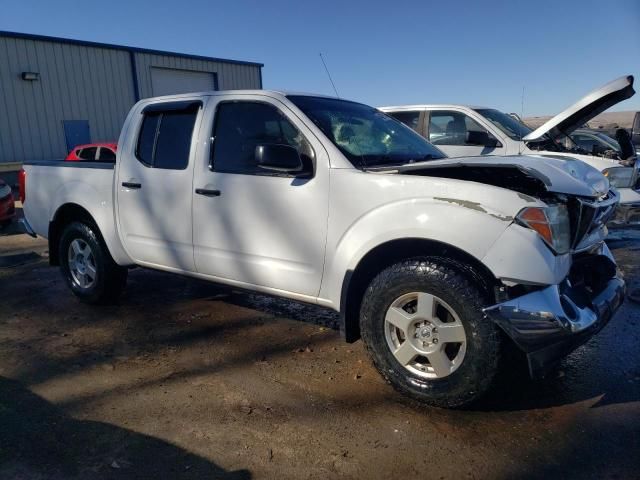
(525, 173)
(586, 109)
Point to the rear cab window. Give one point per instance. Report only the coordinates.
(410, 118)
(164, 139)
(106, 155)
(88, 153)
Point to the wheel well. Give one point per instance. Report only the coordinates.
(356, 281)
(67, 213)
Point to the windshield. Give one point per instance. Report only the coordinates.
(509, 125)
(366, 136)
(608, 140)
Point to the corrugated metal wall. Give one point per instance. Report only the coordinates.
(76, 83)
(80, 82)
(230, 75)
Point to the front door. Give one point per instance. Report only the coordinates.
(154, 187)
(252, 225)
(450, 131)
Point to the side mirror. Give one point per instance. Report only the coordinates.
(482, 138)
(278, 158)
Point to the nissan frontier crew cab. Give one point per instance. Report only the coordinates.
(438, 264)
(462, 131)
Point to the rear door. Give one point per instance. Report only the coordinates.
(254, 226)
(154, 186)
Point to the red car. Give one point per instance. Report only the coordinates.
(93, 152)
(7, 205)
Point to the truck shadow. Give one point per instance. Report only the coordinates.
(159, 318)
(37, 439)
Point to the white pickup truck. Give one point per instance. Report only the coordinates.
(438, 264)
(462, 131)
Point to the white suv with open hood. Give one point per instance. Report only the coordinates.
(462, 131)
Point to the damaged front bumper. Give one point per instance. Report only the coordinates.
(627, 212)
(550, 323)
(627, 215)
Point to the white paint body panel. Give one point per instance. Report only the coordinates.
(290, 237)
(261, 230)
(509, 146)
(48, 188)
(154, 222)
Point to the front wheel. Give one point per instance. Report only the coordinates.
(87, 266)
(425, 331)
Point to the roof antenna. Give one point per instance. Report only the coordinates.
(521, 121)
(329, 75)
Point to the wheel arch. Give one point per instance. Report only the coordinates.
(73, 212)
(64, 215)
(356, 281)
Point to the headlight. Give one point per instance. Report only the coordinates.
(551, 223)
(4, 190)
(619, 177)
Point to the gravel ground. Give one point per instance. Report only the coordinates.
(185, 379)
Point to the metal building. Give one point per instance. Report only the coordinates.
(56, 93)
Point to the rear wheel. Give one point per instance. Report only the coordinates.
(87, 266)
(425, 331)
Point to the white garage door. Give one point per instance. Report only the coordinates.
(168, 81)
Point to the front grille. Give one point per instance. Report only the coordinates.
(588, 215)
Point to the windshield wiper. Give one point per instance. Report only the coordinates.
(391, 166)
(428, 156)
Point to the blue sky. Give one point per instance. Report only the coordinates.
(379, 52)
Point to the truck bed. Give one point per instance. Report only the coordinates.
(51, 184)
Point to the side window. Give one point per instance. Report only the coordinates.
(584, 141)
(88, 153)
(450, 128)
(147, 138)
(241, 126)
(410, 119)
(106, 155)
(164, 140)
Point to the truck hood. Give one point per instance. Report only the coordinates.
(525, 173)
(585, 109)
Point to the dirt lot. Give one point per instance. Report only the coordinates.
(185, 379)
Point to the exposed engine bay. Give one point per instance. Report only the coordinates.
(509, 177)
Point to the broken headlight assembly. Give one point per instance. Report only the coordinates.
(551, 223)
(620, 177)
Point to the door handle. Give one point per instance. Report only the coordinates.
(208, 193)
(131, 185)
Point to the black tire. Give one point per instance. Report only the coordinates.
(479, 366)
(110, 278)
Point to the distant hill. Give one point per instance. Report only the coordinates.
(605, 121)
